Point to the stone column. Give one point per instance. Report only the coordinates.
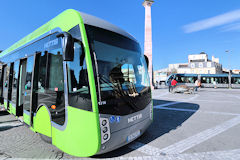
(148, 37)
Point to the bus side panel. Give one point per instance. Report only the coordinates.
(12, 109)
(42, 122)
(26, 117)
(81, 136)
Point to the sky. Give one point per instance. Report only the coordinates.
(179, 28)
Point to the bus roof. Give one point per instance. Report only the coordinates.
(97, 22)
(65, 21)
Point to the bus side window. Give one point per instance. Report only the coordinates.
(48, 84)
(56, 79)
(55, 85)
(41, 83)
(14, 82)
(79, 94)
(28, 83)
(10, 82)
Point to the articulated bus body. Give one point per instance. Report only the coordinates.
(79, 82)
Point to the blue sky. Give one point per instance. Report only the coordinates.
(179, 27)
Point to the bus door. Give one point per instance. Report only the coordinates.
(5, 85)
(26, 88)
(15, 83)
(1, 86)
(21, 86)
(9, 94)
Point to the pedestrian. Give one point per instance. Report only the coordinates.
(156, 84)
(169, 84)
(199, 83)
(173, 84)
(214, 84)
(196, 85)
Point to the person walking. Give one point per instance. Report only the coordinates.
(196, 85)
(214, 84)
(169, 84)
(173, 84)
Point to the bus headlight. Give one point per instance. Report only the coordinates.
(105, 137)
(104, 122)
(105, 129)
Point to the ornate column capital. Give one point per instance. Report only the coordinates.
(147, 3)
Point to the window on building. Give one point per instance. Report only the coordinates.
(209, 64)
(192, 65)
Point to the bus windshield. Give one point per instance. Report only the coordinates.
(122, 73)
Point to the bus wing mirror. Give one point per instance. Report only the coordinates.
(147, 61)
(68, 46)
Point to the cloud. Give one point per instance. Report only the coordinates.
(231, 27)
(219, 20)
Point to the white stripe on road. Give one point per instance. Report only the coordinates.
(185, 144)
(172, 103)
(190, 142)
(199, 111)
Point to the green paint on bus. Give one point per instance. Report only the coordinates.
(42, 122)
(26, 118)
(78, 141)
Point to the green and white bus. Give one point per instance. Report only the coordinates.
(80, 82)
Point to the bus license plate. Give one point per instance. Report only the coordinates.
(133, 136)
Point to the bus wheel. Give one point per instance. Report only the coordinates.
(45, 138)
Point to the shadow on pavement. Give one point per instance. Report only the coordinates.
(3, 113)
(8, 121)
(167, 120)
(8, 127)
(164, 121)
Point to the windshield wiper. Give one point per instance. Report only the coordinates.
(118, 89)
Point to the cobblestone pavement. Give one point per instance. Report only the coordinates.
(204, 125)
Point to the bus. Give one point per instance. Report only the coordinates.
(208, 80)
(80, 82)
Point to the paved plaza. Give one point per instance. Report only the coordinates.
(204, 125)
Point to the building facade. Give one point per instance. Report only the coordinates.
(197, 64)
(160, 75)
